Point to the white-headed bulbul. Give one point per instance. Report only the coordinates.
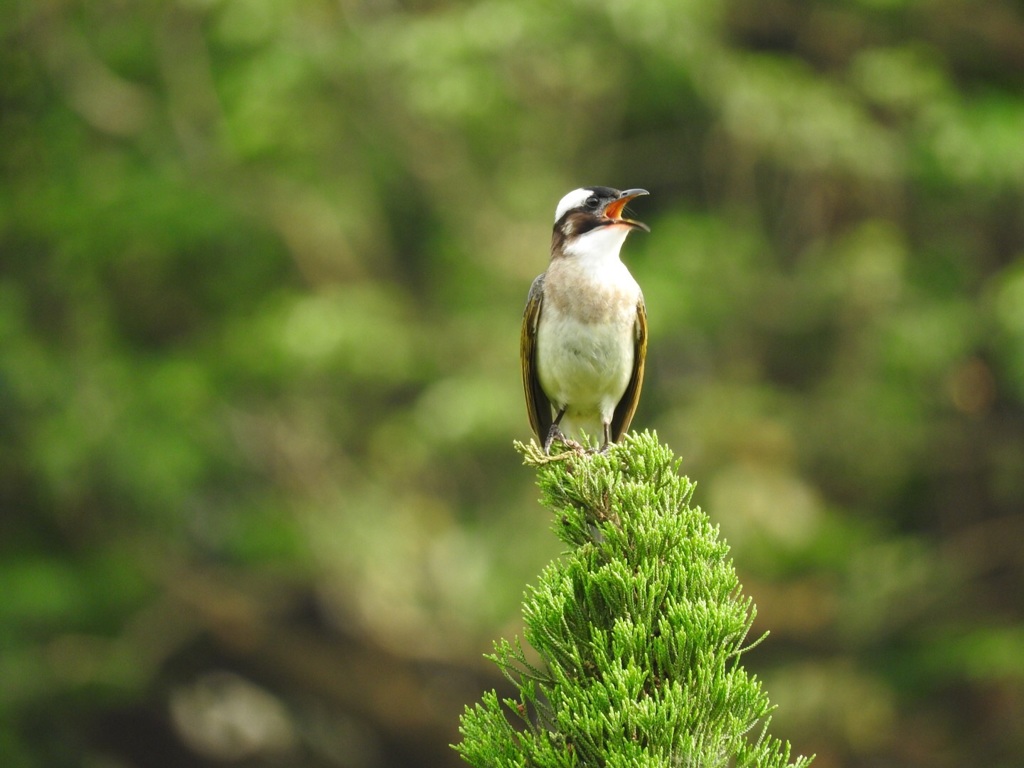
(584, 336)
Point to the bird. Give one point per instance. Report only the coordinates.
(584, 336)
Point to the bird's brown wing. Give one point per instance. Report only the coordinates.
(631, 397)
(538, 407)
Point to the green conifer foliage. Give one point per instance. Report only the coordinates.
(641, 627)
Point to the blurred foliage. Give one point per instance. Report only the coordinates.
(261, 271)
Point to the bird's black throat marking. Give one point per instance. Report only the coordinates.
(574, 224)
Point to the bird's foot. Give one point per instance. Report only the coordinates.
(553, 434)
(556, 434)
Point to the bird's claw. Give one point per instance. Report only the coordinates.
(553, 434)
(556, 434)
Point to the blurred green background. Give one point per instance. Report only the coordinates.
(262, 267)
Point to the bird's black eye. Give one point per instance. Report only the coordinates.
(591, 203)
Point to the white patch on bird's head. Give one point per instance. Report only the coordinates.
(572, 200)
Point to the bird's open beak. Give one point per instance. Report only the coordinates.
(613, 211)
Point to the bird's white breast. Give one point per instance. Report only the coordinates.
(585, 365)
(587, 332)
